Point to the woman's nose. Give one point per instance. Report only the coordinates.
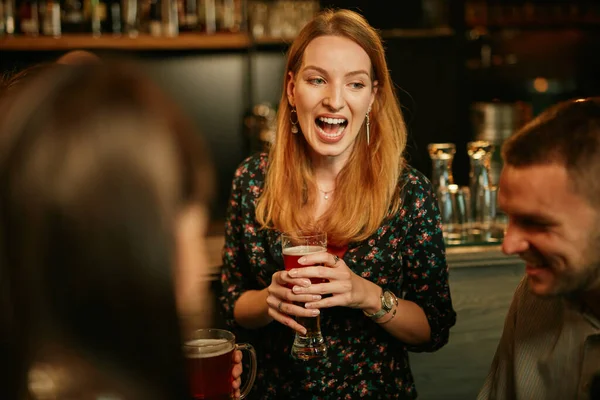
(334, 99)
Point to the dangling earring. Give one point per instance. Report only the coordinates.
(294, 123)
(368, 128)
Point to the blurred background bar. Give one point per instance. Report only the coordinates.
(464, 70)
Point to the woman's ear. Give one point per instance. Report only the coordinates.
(291, 88)
(374, 93)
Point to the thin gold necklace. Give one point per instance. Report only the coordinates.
(326, 194)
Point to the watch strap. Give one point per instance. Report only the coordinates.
(383, 311)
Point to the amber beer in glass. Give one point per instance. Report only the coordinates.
(294, 246)
(209, 359)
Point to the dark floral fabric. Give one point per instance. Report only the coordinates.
(406, 255)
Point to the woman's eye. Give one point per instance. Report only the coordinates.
(357, 85)
(316, 81)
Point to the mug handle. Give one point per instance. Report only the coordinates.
(250, 381)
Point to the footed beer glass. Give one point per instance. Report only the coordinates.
(294, 246)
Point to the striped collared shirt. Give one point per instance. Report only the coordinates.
(550, 349)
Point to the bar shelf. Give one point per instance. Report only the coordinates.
(187, 41)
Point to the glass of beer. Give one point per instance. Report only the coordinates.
(209, 358)
(294, 246)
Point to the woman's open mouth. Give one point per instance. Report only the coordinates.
(331, 129)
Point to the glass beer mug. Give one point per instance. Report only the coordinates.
(209, 359)
(294, 246)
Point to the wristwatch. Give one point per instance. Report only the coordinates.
(388, 301)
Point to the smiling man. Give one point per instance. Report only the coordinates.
(550, 190)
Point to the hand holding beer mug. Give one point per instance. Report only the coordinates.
(210, 358)
(294, 246)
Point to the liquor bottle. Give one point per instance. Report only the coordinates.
(154, 18)
(188, 15)
(28, 18)
(170, 18)
(131, 17)
(51, 18)
(229, 15)
(112, 23)
(73, 17)
(8, 17)
(95, 12)
(2, 19)
(207, 12)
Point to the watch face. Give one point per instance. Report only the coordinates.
(388, 300)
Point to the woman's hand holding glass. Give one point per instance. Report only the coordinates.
(236, 374)
(347, 289)
(282, 297)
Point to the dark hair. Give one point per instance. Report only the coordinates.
(11, 81)
(94, 164)
(567, 134)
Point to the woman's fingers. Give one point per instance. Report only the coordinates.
(281, 288)
(284, 279)
(281, 306)
(236, 373)
(237, 365)
(285, 312)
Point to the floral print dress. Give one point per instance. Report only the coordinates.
(406, 255)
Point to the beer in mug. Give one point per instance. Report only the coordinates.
(209, 359)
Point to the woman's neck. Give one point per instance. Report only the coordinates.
(327, 168)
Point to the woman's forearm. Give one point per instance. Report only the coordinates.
(251, 309)
(409, 323)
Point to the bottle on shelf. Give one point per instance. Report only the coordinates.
(28, 18)
(230, 15)
(113, 19)
(51, 18)
(170, 20)
(8, 17)
(151, 19)
(73, 17)
(207, 12)
(96, 9)
(188, 15)
(131, 17)
(2, 19)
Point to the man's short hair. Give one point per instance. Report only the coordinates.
(566, 134)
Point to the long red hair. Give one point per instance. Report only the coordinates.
(366, 188)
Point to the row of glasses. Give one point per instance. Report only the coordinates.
(460, 224)
(468, 213)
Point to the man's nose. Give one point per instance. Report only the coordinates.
(515, 241)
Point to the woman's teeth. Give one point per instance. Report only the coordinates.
(331, 127)
(338, 132)
(332, 121)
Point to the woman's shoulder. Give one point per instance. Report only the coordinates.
(414, 181)
(253, 167)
